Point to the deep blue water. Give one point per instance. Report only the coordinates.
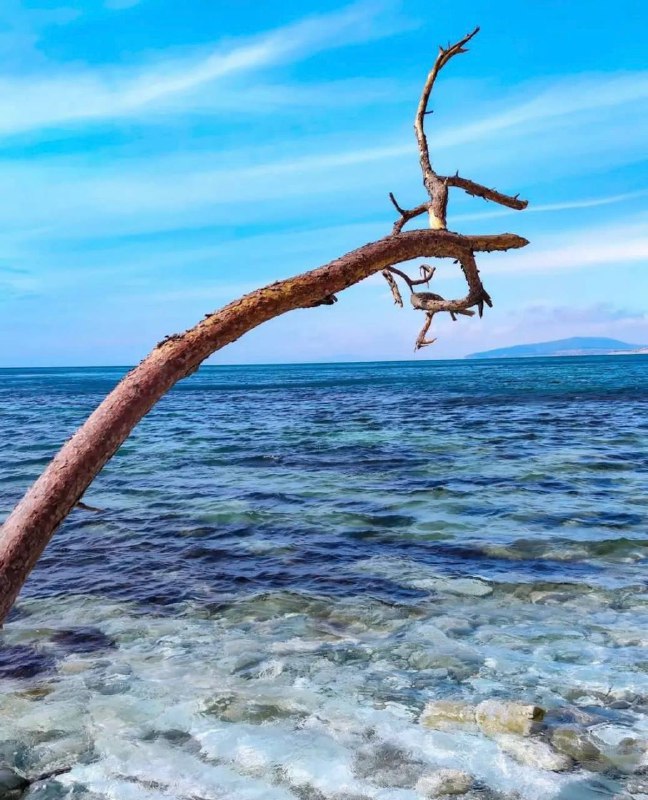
(344, 493)
(438, 462)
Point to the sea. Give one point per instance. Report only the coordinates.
(288, 564)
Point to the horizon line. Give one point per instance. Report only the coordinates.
(472, 357)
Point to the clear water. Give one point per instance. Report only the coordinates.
(292, 561)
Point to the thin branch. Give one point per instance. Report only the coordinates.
(426, 275)
(398, 208)
(421, 341)
(477, 295)
(398, 299)
(406, 214)
(477, 190)
(436, 187)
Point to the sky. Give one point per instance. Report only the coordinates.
(159, 159)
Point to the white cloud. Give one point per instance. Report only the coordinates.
(168, 190)
(567, 97)
(47, 100)
(567, 205)
(619, 243)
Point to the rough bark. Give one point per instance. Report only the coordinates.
(32, 523)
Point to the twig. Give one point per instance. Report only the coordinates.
(398, 299)
(436, 186)
(426, 275)
(477, 190)
(421, 341)
(406, 214)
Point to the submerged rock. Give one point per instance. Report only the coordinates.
(443, 714)
(23, 661)
(498, 716)
(638, 787)
(578, 745)
(36, 692)
(233, 708)
(466, 587)
(572, 716)
(14, 754)
(625, 752)
(492, 716)
(388, 766)
(175, 737)
(345, 796)
(12, 785)
(445, 782)
(534, 753)
(57, 751)
(85, 639)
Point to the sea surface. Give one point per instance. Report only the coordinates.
(290, 562)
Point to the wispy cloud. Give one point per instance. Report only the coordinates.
(566, 97)
(567, 205)
(84, 95)
(620, 243)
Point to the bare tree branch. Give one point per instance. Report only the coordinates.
(477, 295)
(406, 214)
(477, 190)
(436, 186)
(398, 300)
(421, 341)
(426, 275)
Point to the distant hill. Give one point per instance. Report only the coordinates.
(576, 346)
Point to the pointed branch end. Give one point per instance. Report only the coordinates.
(394, 201)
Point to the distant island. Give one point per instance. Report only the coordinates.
(576, 346)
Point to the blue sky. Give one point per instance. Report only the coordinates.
(159, 159)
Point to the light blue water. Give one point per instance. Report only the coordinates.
(292, 561)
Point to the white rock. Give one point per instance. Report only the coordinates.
(469, 587)
(499, 716)
(466, 587)
(534, 753)
(442, 714)
(444, 782)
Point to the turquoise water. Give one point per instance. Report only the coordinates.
(292, 561)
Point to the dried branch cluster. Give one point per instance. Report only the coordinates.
(437, 206)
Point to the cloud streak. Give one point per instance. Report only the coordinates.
(83, 96)
(621, 243)
(567, 205)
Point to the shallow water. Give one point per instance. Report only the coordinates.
(292, 561)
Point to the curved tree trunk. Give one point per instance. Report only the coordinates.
(30, 526)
